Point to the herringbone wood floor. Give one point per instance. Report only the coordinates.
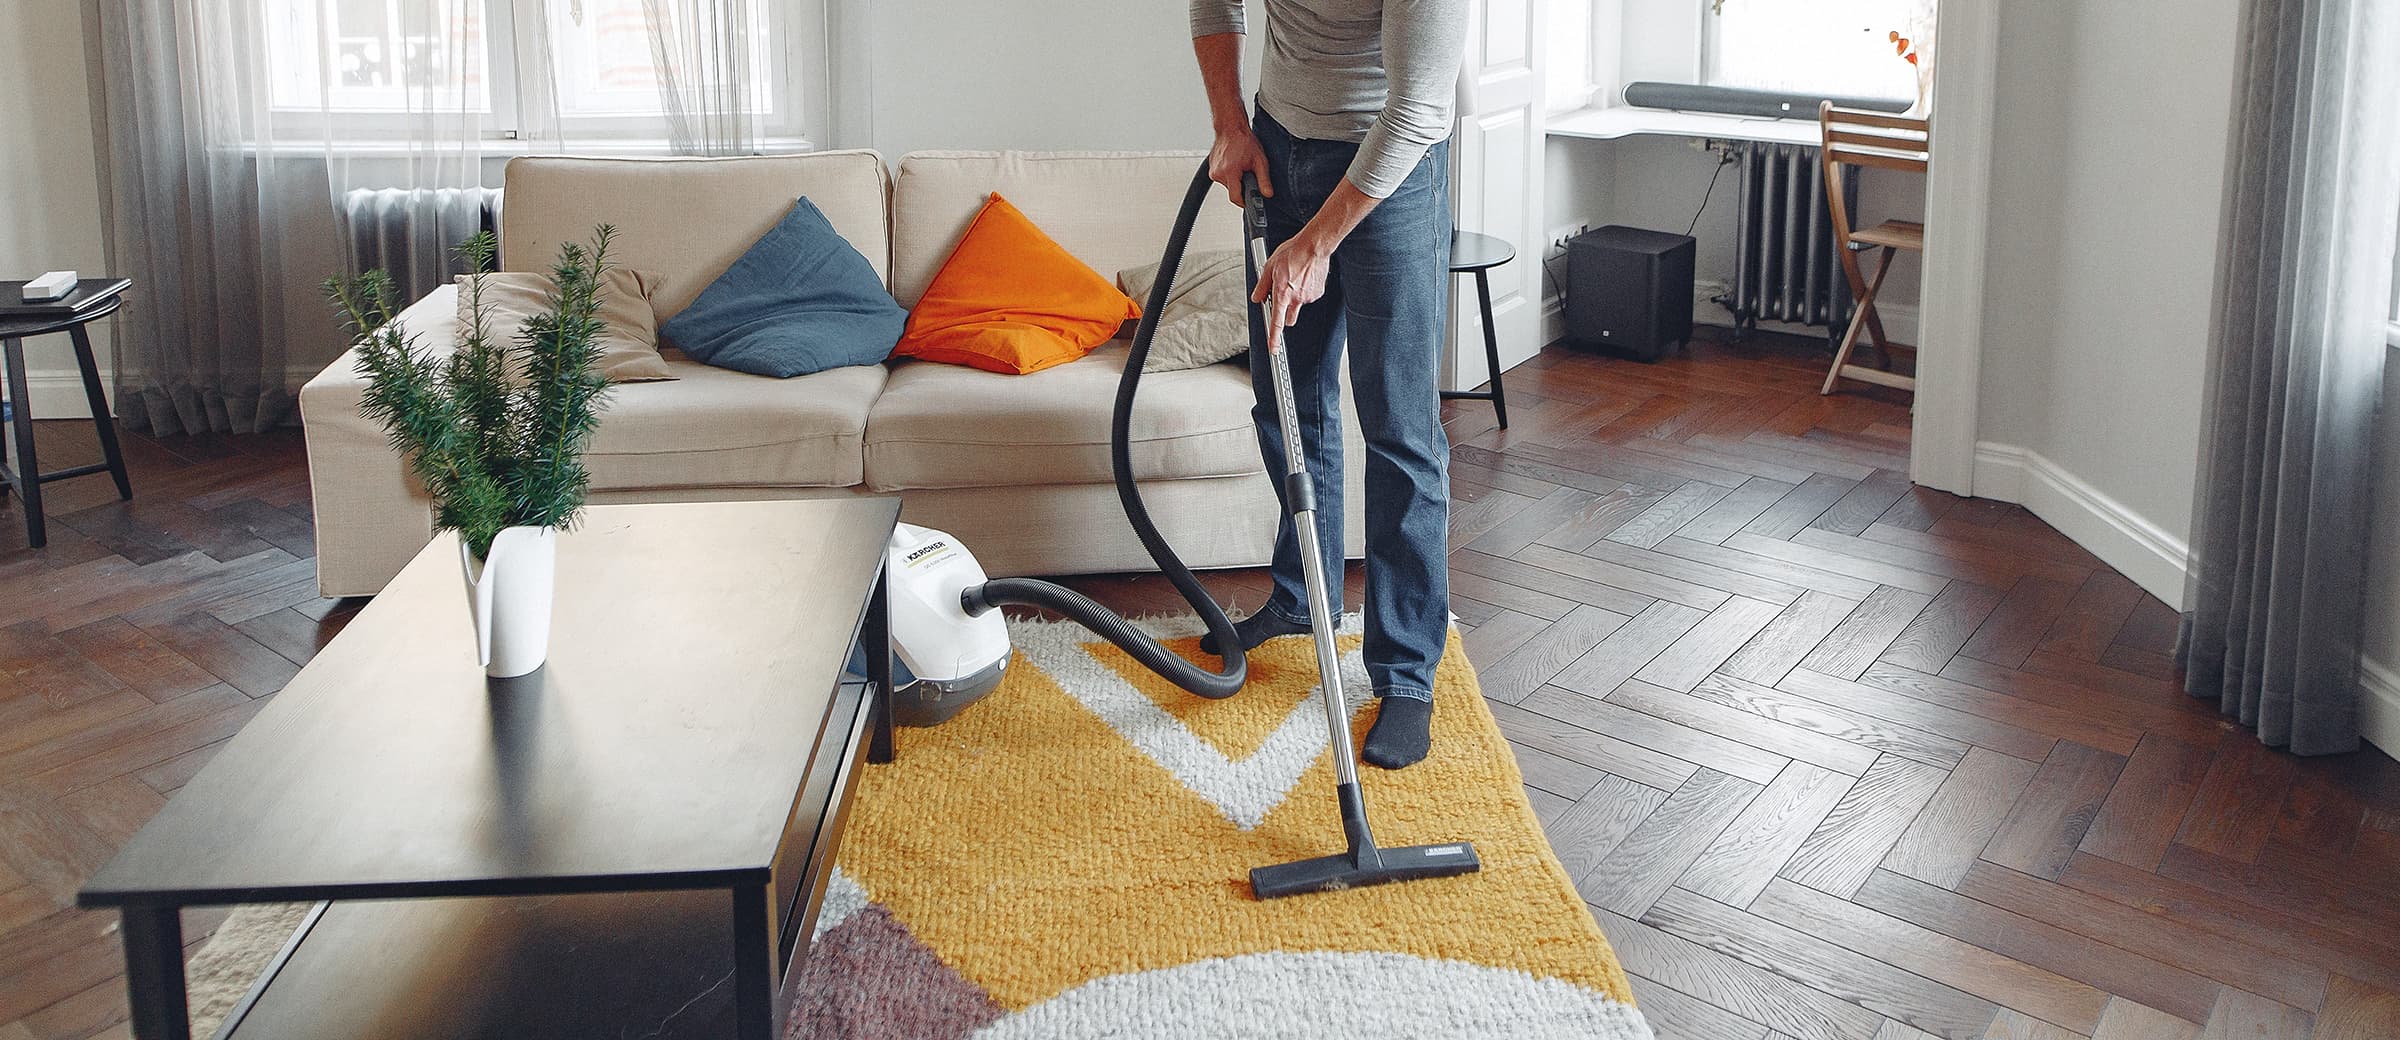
(1832, 758)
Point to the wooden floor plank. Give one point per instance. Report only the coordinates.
(1839, 855)
(1751, 850)
(1944, 840)
(2003, 980)
(2041, 831)
(1790, 637)
(2247, 1016)
(2232, 962)
(2148, 803)
(1823, 966)
(1743, 990)
(1644, 865)
(2105, 968)
(1698, 652)
(1867, 633)
(1843, 724)
(1759, 731)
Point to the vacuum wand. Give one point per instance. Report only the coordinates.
(1365, 863)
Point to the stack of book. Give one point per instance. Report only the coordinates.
(88, 295)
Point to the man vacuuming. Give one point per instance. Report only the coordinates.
(1350, 145)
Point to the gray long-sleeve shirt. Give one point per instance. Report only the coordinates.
(1383, 73)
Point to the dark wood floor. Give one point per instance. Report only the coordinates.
(1830, 757)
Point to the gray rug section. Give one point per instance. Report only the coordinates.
(219, 975)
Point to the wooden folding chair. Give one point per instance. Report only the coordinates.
(1855, 138)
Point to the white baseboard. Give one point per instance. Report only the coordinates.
(2379, 711)
(2146, 553)
(2120, 537)
(58, 392)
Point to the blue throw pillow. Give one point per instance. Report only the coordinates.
(801, 300)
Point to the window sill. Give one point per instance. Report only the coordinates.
(1608, 124)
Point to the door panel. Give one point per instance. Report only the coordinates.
(1496, 181)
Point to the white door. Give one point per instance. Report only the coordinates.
(1496, 183)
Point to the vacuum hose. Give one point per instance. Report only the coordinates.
(1107, 623)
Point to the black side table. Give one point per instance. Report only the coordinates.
(1470, 252)
(27, 478)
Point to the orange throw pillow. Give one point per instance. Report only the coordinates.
(1011, 300)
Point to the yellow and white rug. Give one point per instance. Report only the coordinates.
(1070, 858)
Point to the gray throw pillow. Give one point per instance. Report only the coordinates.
(1207, 319)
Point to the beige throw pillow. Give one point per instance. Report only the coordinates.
(1207, 319)
(628, 338)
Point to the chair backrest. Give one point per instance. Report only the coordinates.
(1852, 137)
(1874, 138)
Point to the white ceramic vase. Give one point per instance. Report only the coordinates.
(508, 593)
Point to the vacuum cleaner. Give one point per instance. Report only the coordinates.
(953, 645)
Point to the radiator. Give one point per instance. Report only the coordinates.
(1785, 265)
(413, 233)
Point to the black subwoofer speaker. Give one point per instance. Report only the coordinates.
(1629, 291)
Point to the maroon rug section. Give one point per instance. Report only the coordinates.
(869, 979)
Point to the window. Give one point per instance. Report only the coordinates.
(1841, 48)
(527, 68)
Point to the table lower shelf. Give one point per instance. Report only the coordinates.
(654, 964)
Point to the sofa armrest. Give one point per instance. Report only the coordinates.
(372, 515)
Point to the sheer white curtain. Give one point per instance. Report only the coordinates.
(195, 217)
(237, 130)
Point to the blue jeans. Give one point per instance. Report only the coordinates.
(1386, 294)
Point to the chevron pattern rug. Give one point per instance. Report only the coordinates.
(1070, 857)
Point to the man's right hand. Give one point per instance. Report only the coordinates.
(1236, 153)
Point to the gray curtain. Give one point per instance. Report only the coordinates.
(2279, 547)
(201, 345)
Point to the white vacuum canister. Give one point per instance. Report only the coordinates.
(956, 658)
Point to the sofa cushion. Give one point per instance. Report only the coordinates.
(687, 218)
(801, 300)
(713, 427)
(628, 336)
(1111, 210)
(1010, 300)
(944, 426)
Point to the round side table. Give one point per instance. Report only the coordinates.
(27, 478)
(1478, 254)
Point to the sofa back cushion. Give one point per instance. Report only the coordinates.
(1112, 210)
(687, 219)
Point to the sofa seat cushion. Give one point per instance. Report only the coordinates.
(947, 426)
(713, 427)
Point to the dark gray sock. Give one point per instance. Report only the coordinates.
(1253, 630)
(1402, 733)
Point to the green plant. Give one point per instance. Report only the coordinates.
(494, 430)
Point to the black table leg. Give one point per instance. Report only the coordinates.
(876, 633)
(154, 972)
(1491, 346)
(29, 470)
(755, 1016)
(102, 421)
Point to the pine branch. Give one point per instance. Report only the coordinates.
(493, 454)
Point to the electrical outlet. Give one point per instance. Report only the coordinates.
(1560, 235)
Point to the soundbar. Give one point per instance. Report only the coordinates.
(1734, 101)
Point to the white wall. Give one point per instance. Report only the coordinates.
(1036, 74)
(49, 189)
(2105, 193)
(2381, 718)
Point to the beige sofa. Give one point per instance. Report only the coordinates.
(1017, 466)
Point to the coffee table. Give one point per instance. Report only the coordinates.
(631, 841)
